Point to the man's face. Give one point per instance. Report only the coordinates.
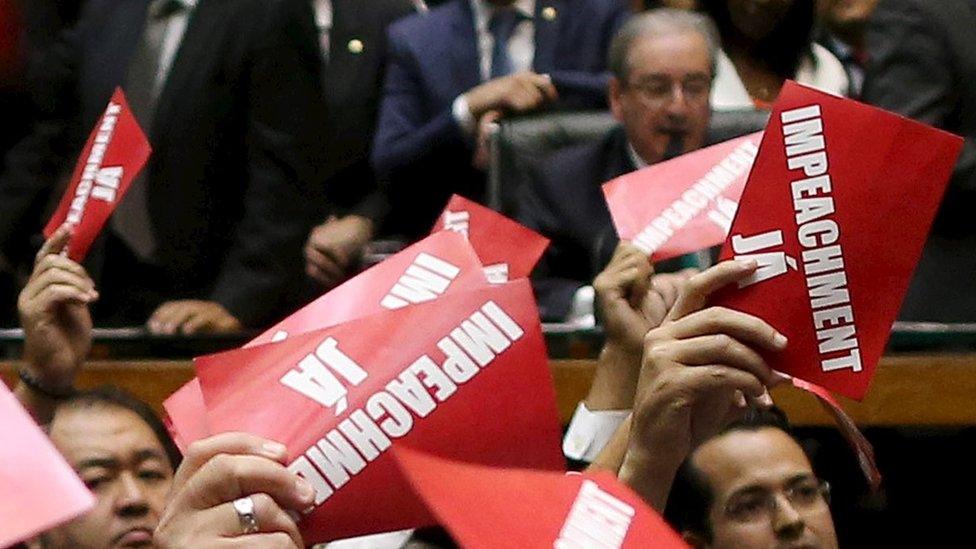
(665, 95)
(120, 459)
(765, 494)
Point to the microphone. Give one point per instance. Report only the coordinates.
(676, 146)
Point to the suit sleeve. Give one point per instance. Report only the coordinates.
(405, 133)
(33, 165)
(265, 259)
(910, 73)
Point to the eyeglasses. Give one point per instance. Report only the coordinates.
(661, 90)
(753, 506)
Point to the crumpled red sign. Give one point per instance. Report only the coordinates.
(116, 151)
(507, 249)
(464, 376)
(684, 204)
(488, 507)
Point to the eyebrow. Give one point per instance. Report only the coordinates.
(113, 463)
(755, 488)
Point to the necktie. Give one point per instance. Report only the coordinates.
(130, 220)
(501, 26)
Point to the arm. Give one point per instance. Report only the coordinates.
(700, 370)
(405, 132)
(53, 309)
(630, 302)
(216, 472)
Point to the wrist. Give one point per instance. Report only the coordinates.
(47, 388)
(615, 381)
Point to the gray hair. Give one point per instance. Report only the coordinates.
(659, 22)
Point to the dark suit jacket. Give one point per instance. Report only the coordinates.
(921, 65)
(231, 148)
(565, 203)
(434, 59)
(350, 88)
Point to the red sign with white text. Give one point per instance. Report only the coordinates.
(836, 211)
(508, 250)
(436, 265)
(488, 507)
(40, 490)
(464, 376)
(115, 153)
(685, 204)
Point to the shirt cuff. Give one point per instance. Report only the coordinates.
(462, 115)
(589, 432)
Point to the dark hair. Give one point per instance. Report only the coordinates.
(691, 497)
(784, 47)
(108, 395)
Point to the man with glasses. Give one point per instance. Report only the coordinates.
(752, 486)
(662, 67)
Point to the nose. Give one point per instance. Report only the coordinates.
(787, 522)
(678, 105)
(131, 500)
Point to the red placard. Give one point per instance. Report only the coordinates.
(40, 489)
(465, 376)
(507, 249)
(440, 263)
(115, 153)
(488, 507)
(685, 204)
(836, 211)
(434, 266)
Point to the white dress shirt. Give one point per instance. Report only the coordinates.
(589, 432)
(323, 23)
(820, 70)
(175, 29)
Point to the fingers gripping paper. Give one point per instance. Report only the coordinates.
(488, 507)
(836, 211)
(437, 265)
(464, 376)
(115, 153)
(685, 204)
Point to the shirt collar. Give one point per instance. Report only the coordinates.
(483, 10)
(635, 158)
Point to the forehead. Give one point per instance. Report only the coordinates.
(101, 431)
(767, 456)
(675, 53)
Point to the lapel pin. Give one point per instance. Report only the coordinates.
(549, 13)
(355, 46)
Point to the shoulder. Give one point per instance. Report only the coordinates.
(824, 71)
(424, 24)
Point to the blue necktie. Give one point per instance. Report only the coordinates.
(501, 26)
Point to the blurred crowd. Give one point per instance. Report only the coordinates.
(295, 140)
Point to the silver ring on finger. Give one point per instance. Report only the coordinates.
(245, 514)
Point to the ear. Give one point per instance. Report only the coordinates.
(694, 540)
(614, 93)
